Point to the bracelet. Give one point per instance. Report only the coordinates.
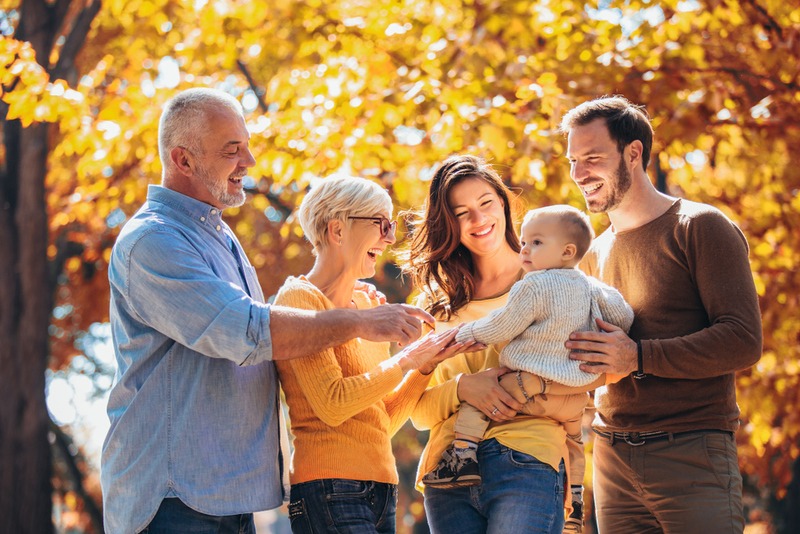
(545, 383)
(519, 381)
(639, 374)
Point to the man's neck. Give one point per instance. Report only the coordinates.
(642, 203)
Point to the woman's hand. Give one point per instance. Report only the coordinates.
(448, 352)
(483, 391)
(429, 351)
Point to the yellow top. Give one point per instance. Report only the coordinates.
(540, 437)
(345, 403)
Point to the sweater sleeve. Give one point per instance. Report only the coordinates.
(503, 324)
(717, 257)
(612, 305)
(333, 397)
(401, 402)
(436, 404)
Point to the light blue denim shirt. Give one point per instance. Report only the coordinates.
(193, 406)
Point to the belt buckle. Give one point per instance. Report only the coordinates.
(633, 435)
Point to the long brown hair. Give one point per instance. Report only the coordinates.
(438, 264)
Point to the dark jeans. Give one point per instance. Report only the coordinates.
(343, 506)
(174, 517)
(519, 494)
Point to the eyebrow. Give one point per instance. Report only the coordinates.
(592, 151)
(463, 206)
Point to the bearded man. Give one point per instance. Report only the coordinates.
(195, 442)
(665, 454)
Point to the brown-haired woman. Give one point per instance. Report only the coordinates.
(464, 258)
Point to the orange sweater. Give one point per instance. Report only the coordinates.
(345, 403)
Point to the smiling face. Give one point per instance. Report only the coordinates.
(544, 244)
(363, 244)
(597, 167)
(225, 159)
(479, 212)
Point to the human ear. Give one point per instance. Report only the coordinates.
(635, 150)
(335, 232)
(180, 158)
(569, 252)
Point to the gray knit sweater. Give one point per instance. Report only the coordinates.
(543, 309)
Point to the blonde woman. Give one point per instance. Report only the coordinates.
(346, 403)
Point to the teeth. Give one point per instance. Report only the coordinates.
(375, 251)
(484, 232)
(591, 189)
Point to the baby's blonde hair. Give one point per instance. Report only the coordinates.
(339, 197)
(576, 225)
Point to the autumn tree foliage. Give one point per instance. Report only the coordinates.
(383, 89)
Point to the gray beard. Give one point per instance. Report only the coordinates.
(218, 189)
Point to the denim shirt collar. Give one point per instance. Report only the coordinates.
(199, 211)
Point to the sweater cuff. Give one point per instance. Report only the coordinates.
(465, 333)
(645, 347)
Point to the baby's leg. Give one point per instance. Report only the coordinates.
(471, 423)
(566, 409)
(458, 466)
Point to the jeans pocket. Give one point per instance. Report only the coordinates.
(525, 461)
(298, 517)
(350, 502)
(718, 457)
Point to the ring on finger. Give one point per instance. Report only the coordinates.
(494, 412)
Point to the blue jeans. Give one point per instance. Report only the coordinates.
(174, 517)
(518, 494)
(343, 506)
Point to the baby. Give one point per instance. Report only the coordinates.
(553, 300)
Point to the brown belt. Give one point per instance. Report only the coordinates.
(635, 439)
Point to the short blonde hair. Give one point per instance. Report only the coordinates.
(339, 197)
(576, 225)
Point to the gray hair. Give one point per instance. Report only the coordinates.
(183, 119)
(339, 197)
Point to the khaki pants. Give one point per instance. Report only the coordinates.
(684, 485)
(566, 409)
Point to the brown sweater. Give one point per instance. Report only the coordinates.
(687, 277)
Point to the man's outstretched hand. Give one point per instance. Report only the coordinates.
(393, 322)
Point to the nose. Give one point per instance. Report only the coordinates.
(477, 216)
(391, 236)
(577, 171)
(248, 160)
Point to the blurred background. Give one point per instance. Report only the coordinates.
(382, 89)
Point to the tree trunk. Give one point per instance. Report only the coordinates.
(25, 294)
(25, 489)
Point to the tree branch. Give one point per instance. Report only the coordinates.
(253, 86)
(58, 14)
(791, 86)
(771, 23)
(64, 251)
(61, 445)
(74, 42)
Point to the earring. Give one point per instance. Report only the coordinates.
(340, 241)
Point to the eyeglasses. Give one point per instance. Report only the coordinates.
(386, 224)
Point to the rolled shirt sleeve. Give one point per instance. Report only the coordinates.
(204, 312)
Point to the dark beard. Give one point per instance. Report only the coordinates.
(617, 189)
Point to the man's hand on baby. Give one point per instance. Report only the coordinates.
(610, 351)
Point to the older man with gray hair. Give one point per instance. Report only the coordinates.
(196, 441)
